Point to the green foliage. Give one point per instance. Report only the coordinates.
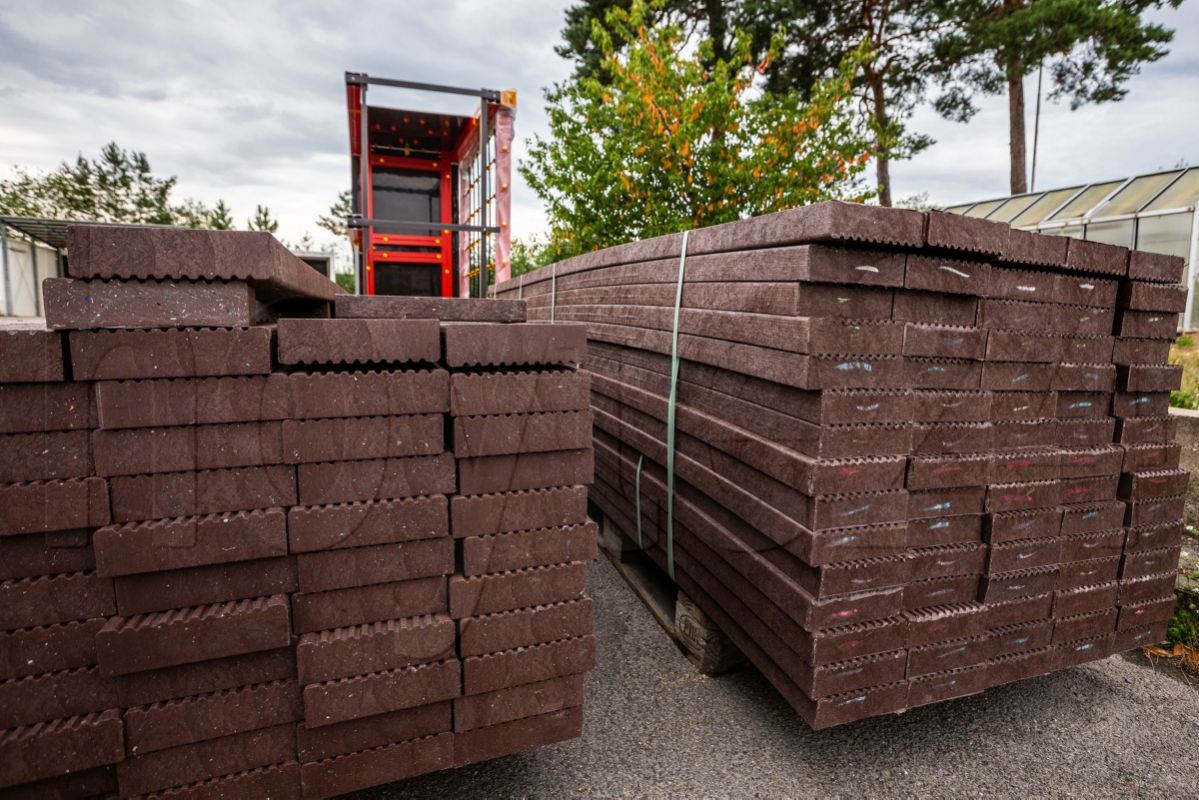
(1090, 47)
(720, 22)
(335, 221)
(667, 143)
(1184, 398)
(577, 43)
(221, 217)
(817, 36)
(119, 186)
(23, 195)
(262, 220)
(901, 36)
(529, 255)
(1184, 627)
(1184, 341)
(345, 280)
(192, 214)
(1186, 356)
(915, 202)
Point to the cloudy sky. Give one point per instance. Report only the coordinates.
(245, 100)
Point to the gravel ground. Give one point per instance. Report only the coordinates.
(656, 729)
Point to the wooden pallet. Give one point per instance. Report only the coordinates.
(696, 635)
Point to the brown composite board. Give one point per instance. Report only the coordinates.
(829, 222)
(127, 252)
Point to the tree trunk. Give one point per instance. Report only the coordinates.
(882, 158)
(717, 29)
(1016, 142)
(882, 171)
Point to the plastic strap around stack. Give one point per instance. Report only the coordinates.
(553, 288)
(520, 288)
(670, 410)
(637, 499)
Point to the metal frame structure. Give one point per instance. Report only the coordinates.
(49, 233)
(1087, 218)
(375, 231)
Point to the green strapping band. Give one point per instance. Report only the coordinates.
(670, 410)
(553, 288)
(520, 288)
(640, 461)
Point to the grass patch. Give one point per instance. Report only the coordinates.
(1181, 399)
(1184, 352)
(1184, 627)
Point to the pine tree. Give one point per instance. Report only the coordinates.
(221, 217)
(1090, 49)
(335, 221)
(263, 221)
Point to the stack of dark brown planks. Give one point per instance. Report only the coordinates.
(227, 552)
(914, 455)
(520, 428)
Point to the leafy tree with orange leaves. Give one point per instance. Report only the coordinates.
(669, 138)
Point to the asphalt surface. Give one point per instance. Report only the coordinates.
(654, 728)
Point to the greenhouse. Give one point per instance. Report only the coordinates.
(1154, 212)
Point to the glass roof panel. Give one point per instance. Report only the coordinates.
(1135, 194)
(1046, 204)
(1183, 192)
(959, 209)
(1012, 207)
(1116, 231)
(1087, 200)
(982, 209)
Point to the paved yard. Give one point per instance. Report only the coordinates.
(656, 729)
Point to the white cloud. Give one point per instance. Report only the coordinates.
(245, 101)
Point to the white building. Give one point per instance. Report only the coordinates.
(1153, 212)
(30, 251)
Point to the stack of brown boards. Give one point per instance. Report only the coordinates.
(898, 457)
(519, 428)
(225, 516)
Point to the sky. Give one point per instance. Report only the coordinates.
(245, 101)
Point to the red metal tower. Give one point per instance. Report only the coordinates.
(433, 219)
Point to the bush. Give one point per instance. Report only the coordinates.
(1185, 340)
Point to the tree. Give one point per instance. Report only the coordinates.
(191, 214)
(23, 195)
(1089, 47)
(119, 186)
(335, 221)
(529, 255)
(221, 217)
(916, 202)
(668, 144)
(818, 37)
(889, 84)
(718, 21)
(263, 221)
